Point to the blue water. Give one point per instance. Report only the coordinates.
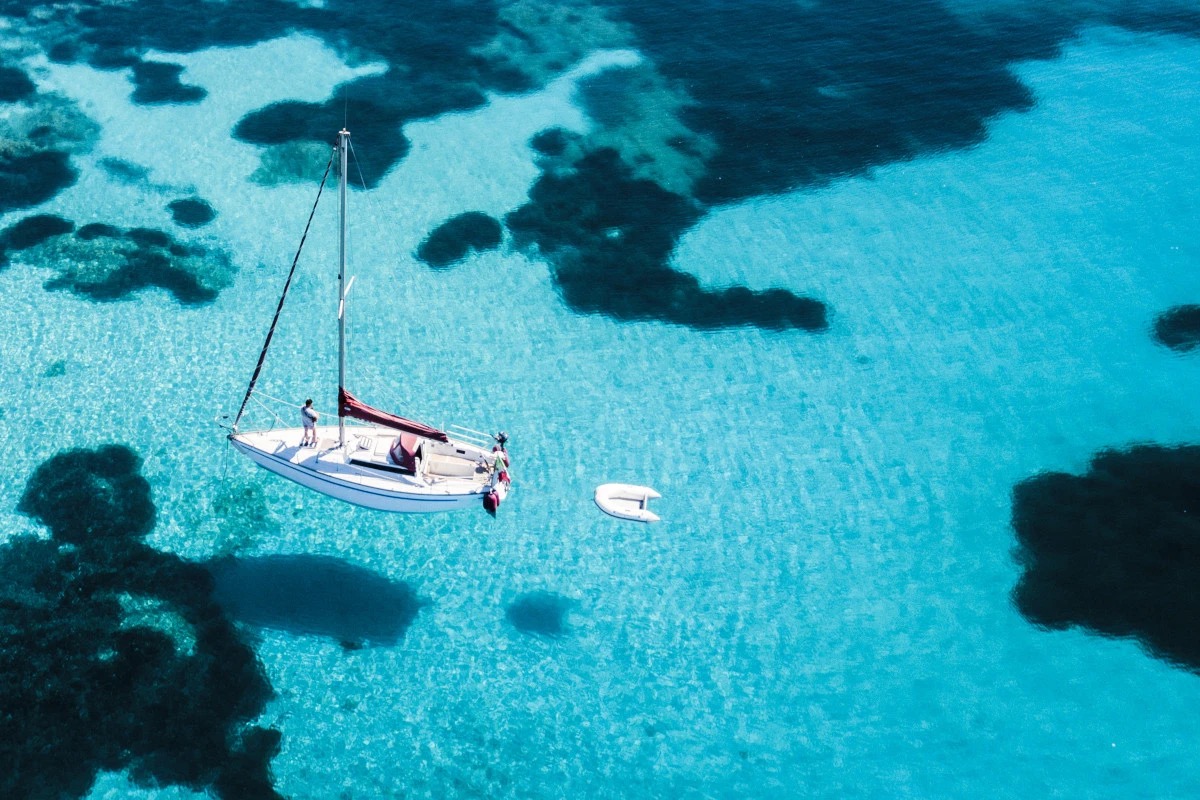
(826, 608)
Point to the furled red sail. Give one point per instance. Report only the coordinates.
(350, 406)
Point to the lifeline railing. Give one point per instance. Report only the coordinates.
(470, 435)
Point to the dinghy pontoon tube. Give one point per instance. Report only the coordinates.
(626, 501)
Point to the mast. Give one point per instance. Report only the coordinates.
(343, 162)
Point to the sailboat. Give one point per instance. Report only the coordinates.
(373, 458)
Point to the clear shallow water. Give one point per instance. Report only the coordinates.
(825, 609)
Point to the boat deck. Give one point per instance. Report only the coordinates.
(455, 473)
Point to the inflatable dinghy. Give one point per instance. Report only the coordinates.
(627, 501)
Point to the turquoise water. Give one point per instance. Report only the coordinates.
(825, 609)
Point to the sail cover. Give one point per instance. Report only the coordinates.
(350, 406)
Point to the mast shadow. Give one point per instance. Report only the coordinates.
(541, 613)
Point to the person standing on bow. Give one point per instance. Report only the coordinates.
(309, 416)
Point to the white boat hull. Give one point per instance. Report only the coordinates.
(338, 473)
(626, 501)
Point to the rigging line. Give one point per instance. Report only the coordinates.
(262, 357)
(358, 166)
(363, 183)
(376, 383)
(280, 400)
(278, 419)
(225, 462)
(289, 403)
